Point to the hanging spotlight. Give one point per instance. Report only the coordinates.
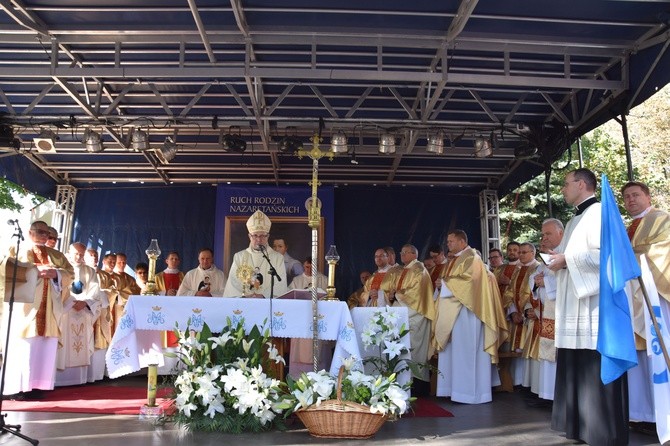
(290, 142)
(232, 142)
(46, 141)
(435, 143)
(168, 151)
(338, 142)
(139, 140)
(93, 141)
(387, 143)
(483, 147)
(7, 139)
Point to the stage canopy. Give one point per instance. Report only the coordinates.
(163, 92)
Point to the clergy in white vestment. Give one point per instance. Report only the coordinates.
(649, 233)
(102, 328)
(205, 280)
(470, 326)
(82, 304)
(583, 408)
(258, 268)
(542, 312)
(301, 358)
(31, 357)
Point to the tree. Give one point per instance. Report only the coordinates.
(649, 133)
(7, 191)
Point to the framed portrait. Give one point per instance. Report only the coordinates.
(293, 230)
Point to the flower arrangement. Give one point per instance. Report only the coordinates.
(381, 394)
(222, 386)
(385, 336)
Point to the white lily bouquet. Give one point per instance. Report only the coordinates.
(223, 386)
(355, 404)
(380, 393)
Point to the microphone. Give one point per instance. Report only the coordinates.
(262, 248)
(11, 222)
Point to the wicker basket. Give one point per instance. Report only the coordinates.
(340, 419)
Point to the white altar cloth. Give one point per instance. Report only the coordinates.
(137, 340)
(361, 317)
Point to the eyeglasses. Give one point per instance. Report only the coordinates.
(494, 257)
(40, 231)
(260, 236)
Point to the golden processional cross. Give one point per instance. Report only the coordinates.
(313, 205)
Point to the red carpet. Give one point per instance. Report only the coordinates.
(89, 399)
(424, 407)
(123, 400)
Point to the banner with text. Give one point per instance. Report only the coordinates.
(284, 205)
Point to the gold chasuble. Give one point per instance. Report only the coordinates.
(506, 270)
(415, 289)
(651, 237)
(519, 293)
(382, 281)
(467, 278)
(102, 328)
(125, 287)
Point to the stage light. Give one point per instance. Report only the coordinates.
(435, 143)
(46, 141)
(289, 144)
(139, 140)
(7, 139)
(483, 148)
(166, 153)
(387, 143)
(92, 141)
(231, 142)
(338, 142)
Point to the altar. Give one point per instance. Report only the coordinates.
(137, 341)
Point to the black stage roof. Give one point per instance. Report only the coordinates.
(526, 76)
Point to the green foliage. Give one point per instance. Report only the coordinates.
(603, 151)
(7, 189)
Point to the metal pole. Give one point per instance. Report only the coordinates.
(626, 144)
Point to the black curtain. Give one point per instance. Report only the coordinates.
(125, 220)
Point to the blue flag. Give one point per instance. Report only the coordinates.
(616, 342)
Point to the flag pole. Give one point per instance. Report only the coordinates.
(654, 321)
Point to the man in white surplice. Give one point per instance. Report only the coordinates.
(82, 303)
(584, 408)
(249, 275)
(470, 326)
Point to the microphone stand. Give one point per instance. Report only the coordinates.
(272, 271)
(11, 428)
(273, 275)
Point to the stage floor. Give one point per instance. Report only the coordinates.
(508, 420)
